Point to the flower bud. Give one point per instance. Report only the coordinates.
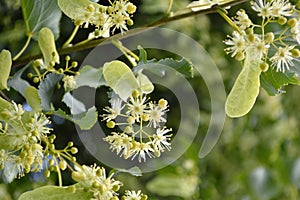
(63, 165)
(282, 20)
(264, 67)
(162, 103)
(296, 53)
(74, 150)
(270, 37)
(131, 8)
(292, 22)
(110, 124)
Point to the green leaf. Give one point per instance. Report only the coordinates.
(273, 81)
(46, 89)
(76, 9)
(89, 76)
(245, 89)
(120, 78)
(47, 45)
(5, 67)
(17, 83)
(41, 13)
(145, 84)
(87, 119)
(33, 99)
(57, 193)
(75, 105)
(183, 66)
(84, 120)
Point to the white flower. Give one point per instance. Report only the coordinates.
(156, 114)
(120, 143)
(258, 47)
(142, 149)
(283, 59)
(282, 8)
(264, 9)
(237, 42)
(39, 125)
(136, 107)
(16, 111)
(133, 195)
(161, 140)
(114, 110)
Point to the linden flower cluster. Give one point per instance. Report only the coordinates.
(142, 134)
(116, 16)
(280, 49)
(20, 137)
(93, 178)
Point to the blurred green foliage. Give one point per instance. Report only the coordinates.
(257, 156)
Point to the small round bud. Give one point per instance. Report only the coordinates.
(157, 153)
(73, 159)
(264, 67)
(29, 75)
(131, 8)
(144, 197)
(99, 172)
(63, 165)
(77, 176)
(38, 62)
(129, 22)
(251, 37)
(5, 114)
(77, 73)
(78, 22)
(51, 162)
(47, 173)
(282, 20)
(296, 53)
(60, 70)
(91, 8)
(249, 31)
(67, 58)
(70, 144)
(292, 22)
(36, 80)
(97, 32)
(145, 117)
(52, 63)
(240, 56)
(110, 9)
(58, 86)
(74, 64)
(110, 124)
(52, 136)
(74, 150)
(102, 8)
(270, 37)
(162, 103)
(35, 133)
(130, 120)
(135, 94)
(115, 188)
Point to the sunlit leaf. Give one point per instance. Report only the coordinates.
(245, 89)
(57, 193)
(46, 89)
(75, 105)
(273, 81)
(120, 78)
(5, 66)
(206, 4)
(33, 99)
(17, 83)
(89, 76)
(145, 84)
(47, 46)
(41, 13)
(75, 9)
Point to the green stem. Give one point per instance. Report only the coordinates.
(228, 20)
(93, 43)
(23, 49)
(58, 174)
(71, 36)
(169, 7)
